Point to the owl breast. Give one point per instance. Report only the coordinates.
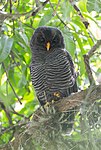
(58, 72)
(52, 76)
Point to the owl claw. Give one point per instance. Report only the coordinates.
(47, 104)
(57, 94)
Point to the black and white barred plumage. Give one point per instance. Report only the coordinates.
(52, 69)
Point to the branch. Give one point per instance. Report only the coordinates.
(14, 112)
(12, 128)
(55, 13)
(41, 123)
(84, 21)
(94, 48)
(19, 99)
(6, 112)
(88, 69)
(39, 8)
(4, 15)
(86, 60)
(89, 95)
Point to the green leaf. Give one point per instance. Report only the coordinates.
(3, 99)
(94, 5)
(78, 39)
(24, 37)
(66, 9)
(5, 47)
(46, 18)
(70, 45)
(82, 5)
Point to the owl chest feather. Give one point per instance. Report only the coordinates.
(53, 74)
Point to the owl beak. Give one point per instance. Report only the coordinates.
(48, 46)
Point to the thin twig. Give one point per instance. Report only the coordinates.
(10, 6)
(86, 60)
(32, 12)
(94, 48)
(39, 8)
(6, 112)
(10, 128)
(57, 14)
(21, 115)
(88, 69)
(55, 10)
(11, 84)
(14, 112)
(84, 21)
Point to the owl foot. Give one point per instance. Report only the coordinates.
(47, 104)
(57, 94)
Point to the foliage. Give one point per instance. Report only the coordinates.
(18, 20)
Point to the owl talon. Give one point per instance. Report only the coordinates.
(47, 104)
(57, 94)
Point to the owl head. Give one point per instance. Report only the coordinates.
(47, 39)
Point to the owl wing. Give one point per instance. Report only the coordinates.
(74, 88)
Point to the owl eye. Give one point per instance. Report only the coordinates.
(41, 39)
(55, 40)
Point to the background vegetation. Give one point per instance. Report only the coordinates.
(80, 22)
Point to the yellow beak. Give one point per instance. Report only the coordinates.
(48, 46)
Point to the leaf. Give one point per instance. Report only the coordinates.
(66, 9)
(82, 5)
(5, 47)
(70, 45)
(24, 37)
(4, 99)
(94, 5)
(46, 18)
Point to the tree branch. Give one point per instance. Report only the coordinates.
(86, 60)
(39, 8)
(94, 48)
(4, 15)
(19, 99)
(6, 112)
(88, 69)
(89, 95)
(84, 21)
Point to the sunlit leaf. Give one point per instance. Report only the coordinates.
(24, 37)
(6, 46)
(94, 5)
(82, 5)
(46, 18)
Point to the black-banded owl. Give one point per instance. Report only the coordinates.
(52, 68)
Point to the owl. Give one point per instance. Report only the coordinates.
(52, 69)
